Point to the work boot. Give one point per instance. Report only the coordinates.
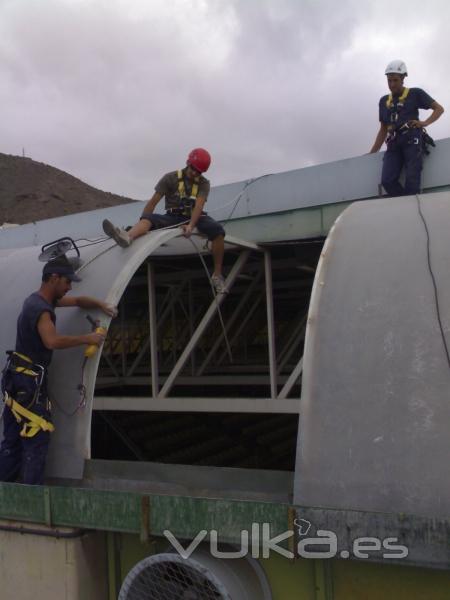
(119, 235)
(219, 284)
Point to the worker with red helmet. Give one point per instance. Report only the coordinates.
(185, 192)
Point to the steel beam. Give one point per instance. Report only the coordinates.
(153, 328)
(122, 339)
(110, 364)
(295, 337)
(230, 379)
(191, 323)
(242, 325)
(237, 268)
(270, 325)
(292, 379)
(230, 322)
(172, 297)
(185, 333)
(207, 405)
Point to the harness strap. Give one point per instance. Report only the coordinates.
(35, 370)
(390, 100)
(25, 371)
(35, 422)
(182, 187)
(22, 356)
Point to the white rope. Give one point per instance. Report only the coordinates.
(230, 355)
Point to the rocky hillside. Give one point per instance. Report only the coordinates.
(32, 191)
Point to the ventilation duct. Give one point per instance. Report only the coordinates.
(168, 576)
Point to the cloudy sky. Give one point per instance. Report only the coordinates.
(116, 92)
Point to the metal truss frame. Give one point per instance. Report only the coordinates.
(170, 351)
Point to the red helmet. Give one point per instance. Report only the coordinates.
(200, 159)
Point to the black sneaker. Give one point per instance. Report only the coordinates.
(219, 284)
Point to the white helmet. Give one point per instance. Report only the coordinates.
(396, 66)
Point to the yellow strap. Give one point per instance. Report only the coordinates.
(35, 421)
(390, 100)
(23, 357)
(182, 189)
(25, 371)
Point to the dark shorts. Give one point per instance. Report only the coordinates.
(205, 225)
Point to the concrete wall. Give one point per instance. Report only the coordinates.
(38, 567)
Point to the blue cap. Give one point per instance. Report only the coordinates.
(60, 266)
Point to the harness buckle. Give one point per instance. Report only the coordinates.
(391, 137)
(187, 204)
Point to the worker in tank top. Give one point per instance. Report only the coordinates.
(27, 420)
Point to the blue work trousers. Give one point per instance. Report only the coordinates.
(404, 151)
(23, 458)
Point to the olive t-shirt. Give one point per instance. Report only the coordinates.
(167, 186)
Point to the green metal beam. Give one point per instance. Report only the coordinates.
(427, 538)
(137, 513)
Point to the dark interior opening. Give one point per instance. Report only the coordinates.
(234, 365)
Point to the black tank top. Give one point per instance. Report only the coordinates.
(28, 340)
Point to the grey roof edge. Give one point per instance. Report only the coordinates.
(345, 180)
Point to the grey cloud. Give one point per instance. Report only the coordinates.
(266, 85)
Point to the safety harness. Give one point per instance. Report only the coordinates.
(393, 130)
(32, 423)
(187, 203)
(400, 102)
(394, 109)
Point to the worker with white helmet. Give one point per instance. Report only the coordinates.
(403, 131)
